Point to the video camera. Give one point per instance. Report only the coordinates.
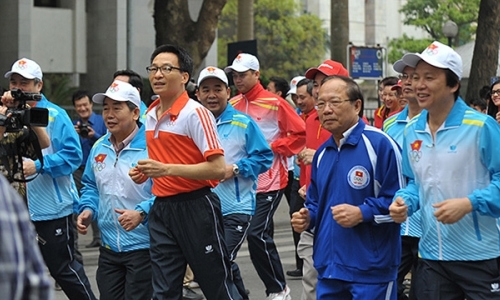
(16, 118)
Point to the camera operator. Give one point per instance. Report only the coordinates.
(52, 194)
(90, 126)
(18, 145)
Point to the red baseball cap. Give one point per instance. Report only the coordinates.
(328, 67)
(397, 86)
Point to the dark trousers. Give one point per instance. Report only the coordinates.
(409, 261)
(58, 255)
(235, 232)
(296, 204)
(124, 275)
(263, 252)
(187, 229)
(456, 280)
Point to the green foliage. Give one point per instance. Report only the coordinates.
(57, 88)
(405, 44)
(288, 42)
(430, 15)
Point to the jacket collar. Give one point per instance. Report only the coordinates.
(454, 118)
(253, 93)
(352, 139)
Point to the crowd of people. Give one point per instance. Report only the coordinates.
(172, 190)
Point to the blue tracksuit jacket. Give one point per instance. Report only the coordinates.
(107, 186)
(52, 194)
(462, 161)
(365, 171)
(244, 145)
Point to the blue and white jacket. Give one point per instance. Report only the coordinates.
(365, 171)
(462, 161)
(52, 194)
(244, 145)
(107, 186)
(394, 126)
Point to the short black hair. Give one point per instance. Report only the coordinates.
(479, 102)
(280, 84)
(185, 60)
(451, 81)
(388, 81)
(484, 92)
(135, 79)
(79, 95)
(309, 83)
(492, 108)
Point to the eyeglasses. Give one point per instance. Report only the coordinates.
(323, 104)
(163, 69)
(404, 76)
(495, 92)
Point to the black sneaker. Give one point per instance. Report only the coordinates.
(294, 273)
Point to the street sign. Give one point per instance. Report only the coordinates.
(366, 62)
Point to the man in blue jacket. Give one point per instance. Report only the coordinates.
(52, 194)
(450, 155)
(247, 155)
(110, 197)
(354, 176)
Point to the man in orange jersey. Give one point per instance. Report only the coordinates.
(186, 161)
(284, 130)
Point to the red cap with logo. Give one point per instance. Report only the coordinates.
(328, 67)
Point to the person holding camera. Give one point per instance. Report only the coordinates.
(17, 144)
(90, 127)
(52, 194)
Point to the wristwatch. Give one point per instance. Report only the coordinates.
(236, 170)
(143, 214)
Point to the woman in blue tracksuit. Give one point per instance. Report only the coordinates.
(115, 201)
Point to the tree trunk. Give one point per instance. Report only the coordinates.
(174, 25)
(339, 36)
(485, 58)
(245, 20)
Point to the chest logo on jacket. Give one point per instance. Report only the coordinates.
(358, 177)
(99, 164)
(415, 153)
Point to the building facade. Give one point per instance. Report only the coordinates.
(89, 40)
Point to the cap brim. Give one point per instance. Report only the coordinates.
(200, 80)
(25, 75)
(236, 68)
(399, 66)
(311, 73)
(99, 98)
(292, 91)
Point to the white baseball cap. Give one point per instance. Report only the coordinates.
(26, 68)
(212, 72)
(244, 62)
(293, 84)
(119, 91)
(438, 55)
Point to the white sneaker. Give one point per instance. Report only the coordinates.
(283, 295)
(193, 285)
